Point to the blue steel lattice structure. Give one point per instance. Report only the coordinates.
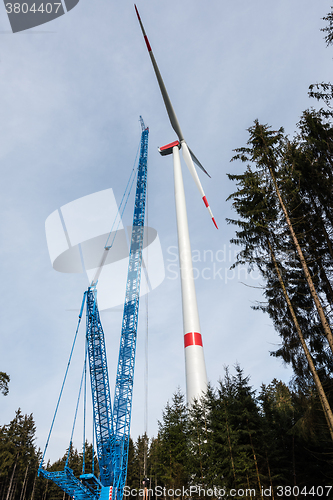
(71, 485)
(100, 389)
(112, 429)
(124, 381)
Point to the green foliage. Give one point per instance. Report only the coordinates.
(323, 92)
(4, 381)
(18, 455)
(172, 451)
(234, 438)
(231, 438)
(302, 168)
(137, 454)
(19, 462)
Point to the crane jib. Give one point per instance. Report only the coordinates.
(112, 426)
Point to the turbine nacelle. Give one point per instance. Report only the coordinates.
(168, 148)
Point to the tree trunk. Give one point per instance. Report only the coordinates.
(322, 396)
(11, 479)
(24, 483)
(322, 224)
(270, 476)
(254, 458)
(229, 442)
(199, 444)
(294, 464)
(46, 488)
(33, 488)
(308, 277)
(12, 495)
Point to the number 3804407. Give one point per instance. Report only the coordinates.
(23, 8)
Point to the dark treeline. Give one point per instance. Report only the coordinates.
(233, 438)
(237, 438)
(20, 459)
(284, 203)
(284, 200)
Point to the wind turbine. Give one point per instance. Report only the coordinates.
(195, 368)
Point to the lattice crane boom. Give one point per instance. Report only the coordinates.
(124, 382)
(100, 389)
(112, 428)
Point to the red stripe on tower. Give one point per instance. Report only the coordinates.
(192, 338)
(110, 493)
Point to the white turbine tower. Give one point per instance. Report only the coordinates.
(196, 377)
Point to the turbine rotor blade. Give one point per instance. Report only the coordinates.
(189, 162)
(197, 162)
(188, 155)
(171, 113)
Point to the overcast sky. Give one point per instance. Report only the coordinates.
(71, 94)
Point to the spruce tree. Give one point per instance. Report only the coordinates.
(173, 444)
(18, 455)
(296, 289)
(324, 91)
(198, 442)
(4, 381)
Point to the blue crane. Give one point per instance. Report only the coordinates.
(112, 427)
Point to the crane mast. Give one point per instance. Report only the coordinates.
(124, 381)
(112, 428)
(100, 389)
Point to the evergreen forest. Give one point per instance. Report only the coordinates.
(236, 437)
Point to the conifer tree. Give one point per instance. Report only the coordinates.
(324, 91)
(268, 233)
(132, 475)
(265, 150)
(4, 381)
(139, 459)
(241, 433)
(173, 441)
(200, 440)
(278, 412)
(153, 463)
(18, 455)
